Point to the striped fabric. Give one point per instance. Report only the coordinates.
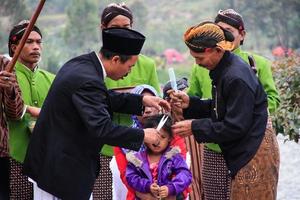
(196, 152)
(11, 107)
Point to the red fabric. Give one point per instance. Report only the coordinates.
(122, 163)
(179, 141)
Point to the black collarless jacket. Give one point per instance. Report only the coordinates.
(74, 123)
(236, 116)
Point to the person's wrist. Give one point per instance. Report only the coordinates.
(10, 92)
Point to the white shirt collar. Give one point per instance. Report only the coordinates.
(103, 69)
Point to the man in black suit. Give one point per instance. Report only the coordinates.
(75, 120)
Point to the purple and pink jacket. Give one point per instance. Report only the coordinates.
(172, 172)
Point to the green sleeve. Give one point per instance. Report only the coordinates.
(153, 78)
(266, 78)
(200, 82)
(194, 85)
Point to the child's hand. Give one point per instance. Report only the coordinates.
(163, 191)
(154, 188)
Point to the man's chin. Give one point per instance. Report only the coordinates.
(124, 76)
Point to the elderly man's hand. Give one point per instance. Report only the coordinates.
(157, 103)
(183, 128)
(179, 99)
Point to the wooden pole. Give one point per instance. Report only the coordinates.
(33, 19)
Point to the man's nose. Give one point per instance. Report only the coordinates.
(36, 45)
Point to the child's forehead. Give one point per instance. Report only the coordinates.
(164, 133)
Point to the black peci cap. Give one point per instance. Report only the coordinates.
(123, 41)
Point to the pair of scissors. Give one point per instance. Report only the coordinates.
(162, 122)
(160, 125)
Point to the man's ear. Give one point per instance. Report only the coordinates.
(243, 34)
(218, 49)
(102, 26)
(13, 48)
(115, 59)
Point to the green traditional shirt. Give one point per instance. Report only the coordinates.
(200, 83)
(34, 86)
(143, 72)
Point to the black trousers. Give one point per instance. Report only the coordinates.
(4, 178)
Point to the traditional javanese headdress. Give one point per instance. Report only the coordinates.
(17, 32)
(208, 35)
(114, 9)
(231, 17)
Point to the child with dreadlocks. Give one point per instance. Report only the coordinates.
(121, 190)
(159, 169)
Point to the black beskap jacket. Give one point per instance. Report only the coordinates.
(74, 123)
(236, 116)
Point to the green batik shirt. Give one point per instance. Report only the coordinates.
(143, 72)
(34, 87)
(200, 83)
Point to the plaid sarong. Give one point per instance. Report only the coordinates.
(20, 186)
(216, 180)
(103, 184)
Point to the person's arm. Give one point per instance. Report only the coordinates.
(240, 101)
(135, 181)
(193, 107)
(13, 103)
(266, 78)
(91, 103)
(33, 111)
(182, 178)
(197, 108)
(12, 100)
(134, 104)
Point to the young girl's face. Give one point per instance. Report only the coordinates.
(149, 111)
(164, 142)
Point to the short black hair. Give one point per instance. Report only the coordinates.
(108, 55)
(153, 121)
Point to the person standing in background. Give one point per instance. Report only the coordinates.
(12, 108)
(200, 85)
(34, 84)
(144, 72)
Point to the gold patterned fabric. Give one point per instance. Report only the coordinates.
(259, 178)
(207, 35)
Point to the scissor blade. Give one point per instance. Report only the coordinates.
(162, 122)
